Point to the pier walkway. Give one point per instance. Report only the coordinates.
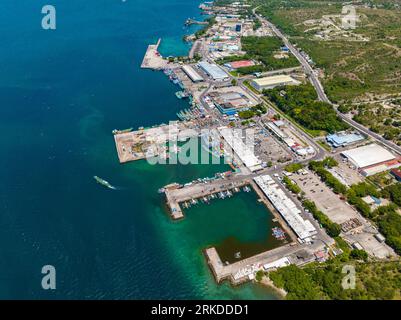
(176, 195)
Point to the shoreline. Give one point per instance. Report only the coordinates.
(278, 292)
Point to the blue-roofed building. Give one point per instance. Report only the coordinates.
(285, 49)
(343, 139)
(227, 108)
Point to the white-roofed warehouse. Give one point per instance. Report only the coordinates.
(192, 74)
(367, 156)
(214, 71)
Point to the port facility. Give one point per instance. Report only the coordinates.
(230, 102)
(343, 139)
(286, 207)
(245, 154)
(213, 71)
(371, 159)
(273, 81)
(192, 74)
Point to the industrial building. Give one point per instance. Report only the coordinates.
(246, 155)
(213, 71)
(343, 139)
(293, 145)
(272, 82)
(283, 262)
(286, 207)
(229, 103)
(371, 159)
(276, 130)
(192, 74)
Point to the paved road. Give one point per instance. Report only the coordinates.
(320, 90)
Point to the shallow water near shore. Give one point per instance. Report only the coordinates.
(62, 92)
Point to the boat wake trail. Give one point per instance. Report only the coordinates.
(106, 184)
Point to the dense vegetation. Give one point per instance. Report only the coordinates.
(296, 282)
(293, 187)
(333, 229)
(293, 167)
(352, 68)
(263, 49)
(355, 194)
(320, 168)
(257, 110)
(393, 192)
(301, 104)
(376, 281)
(389, 222)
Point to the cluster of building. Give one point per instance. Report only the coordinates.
(371, 159)
(230, 100)
(304, 229)
(303, 151)
(344, 139)
(226, 35)
(244, 153)
(230, 26)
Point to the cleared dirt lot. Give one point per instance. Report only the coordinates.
(345, 174)
(268, 149)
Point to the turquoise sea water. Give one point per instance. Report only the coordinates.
(62, 92)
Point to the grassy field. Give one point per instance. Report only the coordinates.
(352, 69)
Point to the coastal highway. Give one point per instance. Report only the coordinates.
(320, 90)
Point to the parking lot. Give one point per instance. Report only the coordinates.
(326, 200)
(355, 228)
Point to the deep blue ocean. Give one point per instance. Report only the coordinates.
(62, 92)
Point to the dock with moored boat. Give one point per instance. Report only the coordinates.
(191, 193)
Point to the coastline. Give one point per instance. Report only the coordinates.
(267, 282)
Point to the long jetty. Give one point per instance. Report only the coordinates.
(244, 270)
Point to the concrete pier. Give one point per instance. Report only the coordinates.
(153, 60)
(176, 195)
(143, 143)
(245, 270)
